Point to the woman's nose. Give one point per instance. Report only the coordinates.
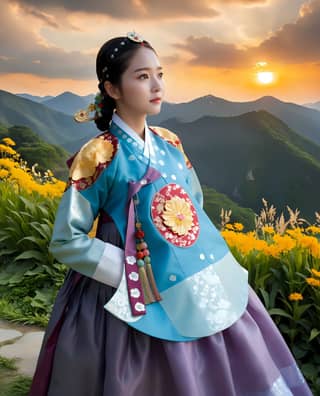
(156, 86)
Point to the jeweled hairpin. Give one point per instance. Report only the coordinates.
(92, 112)
(133, 36)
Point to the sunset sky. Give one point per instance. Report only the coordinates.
(206, 47)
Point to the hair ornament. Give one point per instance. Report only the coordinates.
(133, 36)
(92, 112)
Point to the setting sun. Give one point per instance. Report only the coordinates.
(265, 77)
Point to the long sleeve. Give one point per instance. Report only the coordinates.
(78, 208)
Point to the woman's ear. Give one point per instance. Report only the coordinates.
(112, 90)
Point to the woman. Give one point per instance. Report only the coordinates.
(156, 303)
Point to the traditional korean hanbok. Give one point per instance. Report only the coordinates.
(156, 304)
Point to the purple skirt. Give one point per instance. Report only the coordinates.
(88, 352)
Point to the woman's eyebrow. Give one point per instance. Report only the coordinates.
(147, 68)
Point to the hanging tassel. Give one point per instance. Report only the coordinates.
(152, 282)
(148, 296)
(149, 287)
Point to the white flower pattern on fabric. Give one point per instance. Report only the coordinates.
(135, 293)
(208, 291)
(139, 306)
(131, 260)
(119, 304)
(215, 303)
(134, 276)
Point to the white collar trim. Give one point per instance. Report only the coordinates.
(123, 125)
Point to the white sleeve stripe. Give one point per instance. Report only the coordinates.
(110, 267)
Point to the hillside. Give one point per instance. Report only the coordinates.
(250, 157)
(214, 201)
(52, 126)
(34, 150)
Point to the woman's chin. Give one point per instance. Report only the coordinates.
(155, 110)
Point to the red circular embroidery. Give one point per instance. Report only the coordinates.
(158, 210)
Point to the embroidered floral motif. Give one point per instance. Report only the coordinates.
(175, 216)
(91, 160)
(171, 138)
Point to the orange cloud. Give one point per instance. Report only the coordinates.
(294, 43)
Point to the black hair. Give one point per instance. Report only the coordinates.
(113, 59)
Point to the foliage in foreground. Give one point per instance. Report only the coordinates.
(283, 262)
(12, 383)
(15, 170)
(29, 275)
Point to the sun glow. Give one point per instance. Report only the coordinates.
(265, 77)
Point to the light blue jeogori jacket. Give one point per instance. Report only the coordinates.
(203, 288)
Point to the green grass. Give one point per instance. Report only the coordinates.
(11, 382)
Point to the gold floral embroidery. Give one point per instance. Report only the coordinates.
(93, 157)
(91, 154)
(177, 215)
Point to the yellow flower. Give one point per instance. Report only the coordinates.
(310, 243)
(22, 178)
(315, 272)
(7, 149)
(295, 297)
(238, 226)
(283, 243)
(313, 229)
(229, 226)
(268, 229)
(295, 232)
(8, 141)
(177, 215)
(4, 173)
(313, 281)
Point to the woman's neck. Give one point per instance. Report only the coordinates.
(137, 124)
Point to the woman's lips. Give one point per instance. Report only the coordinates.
(157, 100)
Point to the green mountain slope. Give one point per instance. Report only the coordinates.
(52, 126)
(34, 150)
(253, 156)
(215, 201)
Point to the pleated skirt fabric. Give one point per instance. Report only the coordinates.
(96, 354)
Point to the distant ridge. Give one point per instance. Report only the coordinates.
(51, 125)
(37, 99)
(68, 102)
(315, 106)
(254, 156)
(304, 120)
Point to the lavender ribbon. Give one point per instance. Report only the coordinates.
(135, 291)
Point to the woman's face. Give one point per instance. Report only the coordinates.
(140, 84)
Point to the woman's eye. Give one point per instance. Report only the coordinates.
(142, 76)
(161, 74)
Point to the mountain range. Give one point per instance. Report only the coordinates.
(254, 156)
(51, 125)
(246, 156)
